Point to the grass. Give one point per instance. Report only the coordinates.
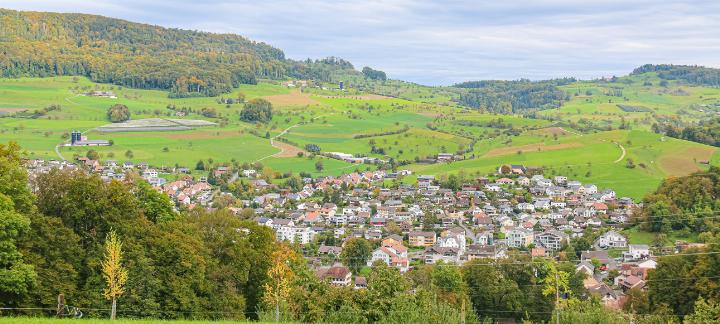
(637, 236)
(41, 320)
(333, 120)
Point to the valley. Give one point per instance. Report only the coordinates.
(589, 137)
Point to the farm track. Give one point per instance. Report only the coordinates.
(282, 149)
(571, 132)
(622, 156)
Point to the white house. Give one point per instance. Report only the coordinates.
(611, 239)
(637, 252)
(519, 237)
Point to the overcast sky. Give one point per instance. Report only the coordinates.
(443, 42)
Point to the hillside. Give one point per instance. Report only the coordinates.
(187, 63)
(613, 132)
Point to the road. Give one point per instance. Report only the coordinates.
(285, 131)
(57, 150)
(622, 156)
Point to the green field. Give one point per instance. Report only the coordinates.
(404, 130)
(39, 320)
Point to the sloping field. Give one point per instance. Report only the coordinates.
(294, 98)
(687, 161)
(530, 148)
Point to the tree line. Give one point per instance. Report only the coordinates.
(186, 63)
(513, 96)
(691, 74)
(705, 132)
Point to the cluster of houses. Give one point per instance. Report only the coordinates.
(425, 223)
(185, 191)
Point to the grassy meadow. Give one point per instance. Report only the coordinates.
(400, 129)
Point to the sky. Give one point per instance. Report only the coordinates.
(444, 41)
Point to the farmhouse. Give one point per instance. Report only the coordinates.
(77, 139)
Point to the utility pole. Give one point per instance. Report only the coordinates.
(557, 299)
(462, 312)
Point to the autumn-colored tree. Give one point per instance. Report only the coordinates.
(113, 271)
(280, 275)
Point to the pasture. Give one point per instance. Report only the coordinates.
(364, 124)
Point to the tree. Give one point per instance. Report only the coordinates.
(118, 113)
(356, 253)
(319, 165)
(280, 274)
(313, 148)
(92, 155)
(113, 270)
(156, 206)
(16, 277)
(200, 165)
(373, 74)
(705, 313)
(257, 110)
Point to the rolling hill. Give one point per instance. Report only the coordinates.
(597, 131)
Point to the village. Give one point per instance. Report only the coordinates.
(423, 222)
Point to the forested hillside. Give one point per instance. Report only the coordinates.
(696, 75)
(706, 132)
(188, 63)
(684, 204)
(513, 96)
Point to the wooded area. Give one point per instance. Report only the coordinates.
(187, 63)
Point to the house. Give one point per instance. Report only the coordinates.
(606, 262)
(519, 237)
(608, 296)
(445, 157)
(585, 267)
(637, 252)
(630, 282)
(435, 254)
(611, 239)
(330, 250)
(338, 276)
(421, 239)
(454, 237)
(552, 239)
(513, 168)
(497, 251)
(360, 282)
(394, 255)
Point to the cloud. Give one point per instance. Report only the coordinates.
(443, 42)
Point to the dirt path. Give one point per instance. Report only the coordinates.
(284, 147)
(622, 156)
(571, 132)
(57, 150)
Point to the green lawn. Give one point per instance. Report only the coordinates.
(637, 236)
